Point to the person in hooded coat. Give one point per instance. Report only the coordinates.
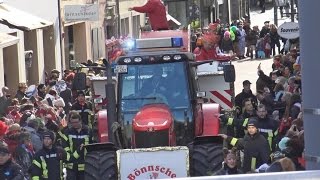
(229, 163)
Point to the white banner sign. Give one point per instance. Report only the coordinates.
(289, 30)
(153, 163)
(88, 12)
(220, 2)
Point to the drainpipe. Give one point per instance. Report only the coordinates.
(275, 12)
(60, 35)
(201, 13)
(118, 19)
(229, 11)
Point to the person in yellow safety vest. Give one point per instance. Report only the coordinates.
(268, 127)
(74, 139)
(256, 148)
(48, 161)
(84, 108)
(236, 127)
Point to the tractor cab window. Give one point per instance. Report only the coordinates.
(157, 83)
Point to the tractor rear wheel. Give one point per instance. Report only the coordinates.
(205, 159)
(101, 165)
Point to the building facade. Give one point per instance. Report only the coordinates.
(36, 25)
(82, 39)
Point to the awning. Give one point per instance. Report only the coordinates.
(7, 40)
(170, 18)
(65, 24)
(14, 18)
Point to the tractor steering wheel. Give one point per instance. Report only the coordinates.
(158, 98)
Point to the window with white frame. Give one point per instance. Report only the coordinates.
(135, 26)
(125, 26)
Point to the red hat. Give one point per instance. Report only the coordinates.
(3, 128)
(213, 26)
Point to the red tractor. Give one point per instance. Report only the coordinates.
(157, 103)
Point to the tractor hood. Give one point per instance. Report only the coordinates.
(153, 117)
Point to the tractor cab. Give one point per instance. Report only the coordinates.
(156, 96)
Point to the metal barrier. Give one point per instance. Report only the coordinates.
(296, 175)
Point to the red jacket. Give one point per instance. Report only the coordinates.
(157, 14)
(203, 55)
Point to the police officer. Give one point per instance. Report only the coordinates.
(84, 108)
(256, 148)
(9, 170)
(47, 163)
(73, 141)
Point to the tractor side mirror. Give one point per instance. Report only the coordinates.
(201, 94)
(201, 97)
(229, 73)
(79, 81)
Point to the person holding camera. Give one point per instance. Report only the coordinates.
(5, 101)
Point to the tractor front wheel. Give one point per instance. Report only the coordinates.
(101, 165)
(205, 159)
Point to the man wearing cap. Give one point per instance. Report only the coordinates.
(256, 148)
(265, 29)
(47, 162)
(245, 94)
(84, 108)
(9, 170)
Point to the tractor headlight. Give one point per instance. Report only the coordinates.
(137, 59)
(127, 60)
(166, 58)
(177, 57)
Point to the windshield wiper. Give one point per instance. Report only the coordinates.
(139, 98)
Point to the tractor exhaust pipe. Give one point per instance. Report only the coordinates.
(111, 101)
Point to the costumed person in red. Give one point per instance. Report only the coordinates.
(156, 12)
(3, 130)
(210, 46)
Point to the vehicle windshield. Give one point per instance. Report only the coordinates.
(155, 83)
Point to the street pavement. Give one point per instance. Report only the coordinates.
(246, 69)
